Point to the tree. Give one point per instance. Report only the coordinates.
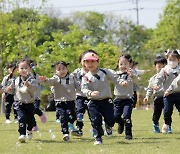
(167, 34)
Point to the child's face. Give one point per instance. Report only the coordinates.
(24, 69)
(123, 64)
(159, 66)
(172, 61)
(61, 70)
(91, 65)
(83, 65)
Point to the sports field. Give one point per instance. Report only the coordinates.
(49, 138)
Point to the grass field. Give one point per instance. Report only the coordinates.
(49, 138)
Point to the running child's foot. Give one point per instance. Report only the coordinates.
(128, 137)
(58, 120)
(66, 137)
(43, 118)
(108, 130)
(169, 130)
(15, 121)
(156, 128)
(35, 128)
(120, 128)
(22, 139)
(29, 135)
(165, 129)
(8, 121)
(80, 117)
(98, 141)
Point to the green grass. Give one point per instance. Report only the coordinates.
(145, 141)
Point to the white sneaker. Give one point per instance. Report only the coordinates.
(66, 137)
(29, 135)
(98, 141)
(22, 139)
(8, 121)
(15, 121)
(165, 129)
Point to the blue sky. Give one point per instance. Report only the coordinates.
(149, 11)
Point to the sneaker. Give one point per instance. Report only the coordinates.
(108, 130)
(94, 132)
(120, 128)
(66, 137)
(43, 118)
(22, 139)
(80, 117)
(128, 137)
(35, 128)
(165, 129)
(80, 132)
(15, 121)
(76, 133)
(156, 128)
(58, 120)
(29, 135)
(98, 141)
(71, 127)
(8, 121)
(169, 130)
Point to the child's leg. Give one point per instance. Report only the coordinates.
(106, 108)
(38, 111)
(9, 100)
(30, 116)
(127, 118)
(168, 109)
(118, 111)
(158, 106)
(96, 117)
(63, 116)
(21, 111)
(80, 110)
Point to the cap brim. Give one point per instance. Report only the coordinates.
(90, 58)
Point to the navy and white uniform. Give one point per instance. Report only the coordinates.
(100, 105)
(9, 97)
(24, 100)
(64, 97)
(166, 77)
(158, 99)
(81, 99)
(123, 102)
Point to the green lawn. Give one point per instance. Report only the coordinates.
(49, 138)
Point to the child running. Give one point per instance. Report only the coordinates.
(159, 63)
(9, 97)
(37, 101)
(95, 85)
(64, 95)
(166, 77)
(123, 91)
(81, 99)
(25, 86)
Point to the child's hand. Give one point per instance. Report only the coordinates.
(95, 93)
(8, 89)
(166, 93)
(156, 87)
(26, 83)
(124, 83)
(145, 100)
(130, 73)
(42, 78)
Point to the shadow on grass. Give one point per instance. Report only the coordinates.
(48, 141)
